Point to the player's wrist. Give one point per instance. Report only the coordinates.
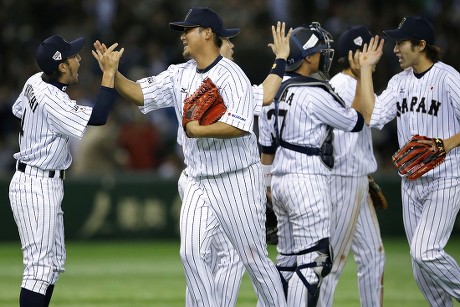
(267, 171)
(279, 67)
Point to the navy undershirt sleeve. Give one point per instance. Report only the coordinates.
(359, 124)
(102, 107)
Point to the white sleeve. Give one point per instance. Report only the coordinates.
(258, 91)
(385, 108)
(68, 118)
(266, 126)
(158, 90)
(237, 94)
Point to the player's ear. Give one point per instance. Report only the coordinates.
(421, 45)
(62, 67)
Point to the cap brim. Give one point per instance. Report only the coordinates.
(229, 33)
(181, 25)
(396, 34)
(76, 45)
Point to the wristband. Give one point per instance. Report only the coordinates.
(267, 168)
(278, 68)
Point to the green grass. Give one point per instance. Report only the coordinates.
(122, 274)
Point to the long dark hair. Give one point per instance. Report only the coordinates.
(433, 53)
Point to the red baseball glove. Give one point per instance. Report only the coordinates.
(415, 158)
(204, 105)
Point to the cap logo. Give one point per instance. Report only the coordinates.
(358, 41)
(57, 56)
(186, 16)
(401, 23)
(311, 42)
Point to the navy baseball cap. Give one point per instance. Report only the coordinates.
(206, 18)
(353, 39)
(413, 27)
(54, 50)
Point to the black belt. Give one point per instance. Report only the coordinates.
(22, 168)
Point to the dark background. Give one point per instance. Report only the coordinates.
(136, 143)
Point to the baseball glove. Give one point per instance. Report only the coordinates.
(378, 199)
(205, 105)
(415, 158)
(271, 225)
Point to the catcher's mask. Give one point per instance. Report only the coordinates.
(308, 40)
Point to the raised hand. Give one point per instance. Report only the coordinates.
(108, 58)
(372, 53)
(280, 45)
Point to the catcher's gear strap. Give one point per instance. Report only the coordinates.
(322, 265)
(326, 150)
(283, 280)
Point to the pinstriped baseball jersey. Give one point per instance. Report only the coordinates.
(306, 112)
(48, 119)
(258, 95)
(428, 106)
(353, 152)
(171, 87)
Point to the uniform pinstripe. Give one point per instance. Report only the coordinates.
(300, 183)
(48, 119)
(429, 106)
(224, 190)
(352, 210)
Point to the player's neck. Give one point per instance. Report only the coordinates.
(349, 72)
(423, 65)
(206, 58)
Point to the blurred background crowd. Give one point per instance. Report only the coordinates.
(133, 142)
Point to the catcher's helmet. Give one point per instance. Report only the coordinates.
(307, 40)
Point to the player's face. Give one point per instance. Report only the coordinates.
(73, 64)
(192, 41)
(227, 49)
(407, 54)
(314, 60)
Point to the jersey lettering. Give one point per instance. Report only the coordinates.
(289, 100)
(419, 106)
(29, 93)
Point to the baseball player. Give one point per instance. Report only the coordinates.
(353, 219)
(224, 188)
(300, 149)
(224, 261)
(49, 117)
(424, 99)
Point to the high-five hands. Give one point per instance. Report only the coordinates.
(108, 58)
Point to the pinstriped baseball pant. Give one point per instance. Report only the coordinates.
(233, 203)
(224, 262)
(302, 204)
(36, 206)
(354, 225)
(430, 207)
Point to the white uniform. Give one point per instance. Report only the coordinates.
(300, 183)
(353, 218)
(222, 257)
(48, 119)
(429, 106)
(224, 190)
